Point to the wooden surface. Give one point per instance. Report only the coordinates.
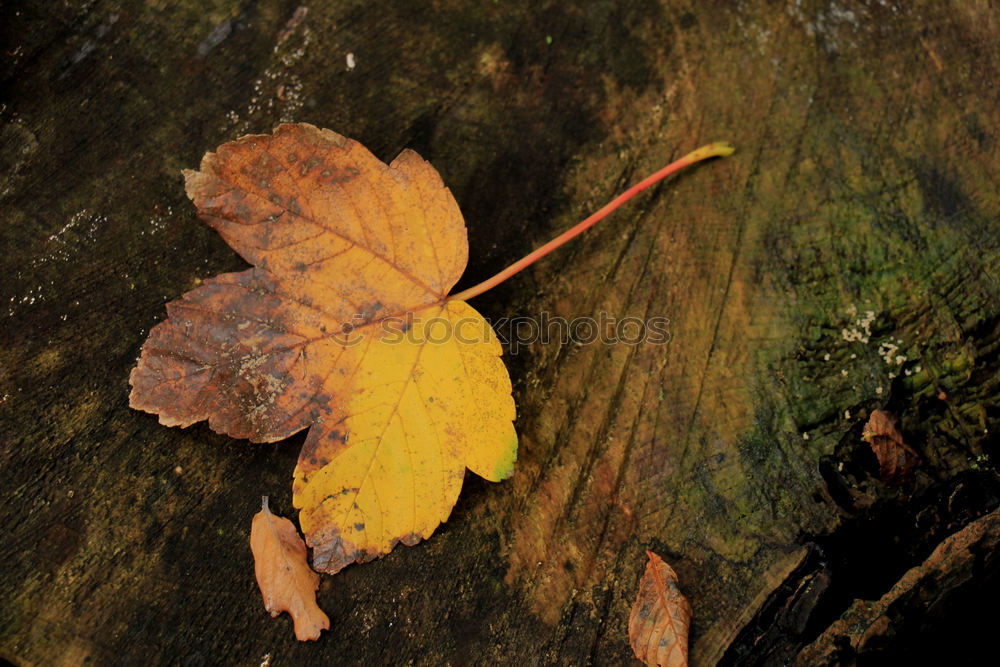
(865, 191)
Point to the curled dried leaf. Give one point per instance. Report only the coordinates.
(286, 581)
(661, 616)
(896, 459)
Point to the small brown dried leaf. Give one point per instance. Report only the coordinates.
(896, 459)
(286, 581)
(661, 616)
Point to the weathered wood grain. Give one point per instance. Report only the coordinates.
(843, 260)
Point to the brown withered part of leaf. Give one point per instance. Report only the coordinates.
(896, 459)
(286, 581)
(661, 616)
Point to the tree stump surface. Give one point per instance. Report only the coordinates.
(844, 259)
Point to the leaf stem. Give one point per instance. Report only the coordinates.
(718, 149)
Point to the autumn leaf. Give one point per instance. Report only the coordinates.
(353, 260)
(896, 459)
(285, 579)
(661, 616)
(344, 326)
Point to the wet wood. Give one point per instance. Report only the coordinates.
(844, 260)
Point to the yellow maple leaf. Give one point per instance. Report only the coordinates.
(345, 326)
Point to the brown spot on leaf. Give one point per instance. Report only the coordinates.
(332, 553)
(338, 175)
(411, 539)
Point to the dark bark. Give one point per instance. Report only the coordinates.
(866, 179)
